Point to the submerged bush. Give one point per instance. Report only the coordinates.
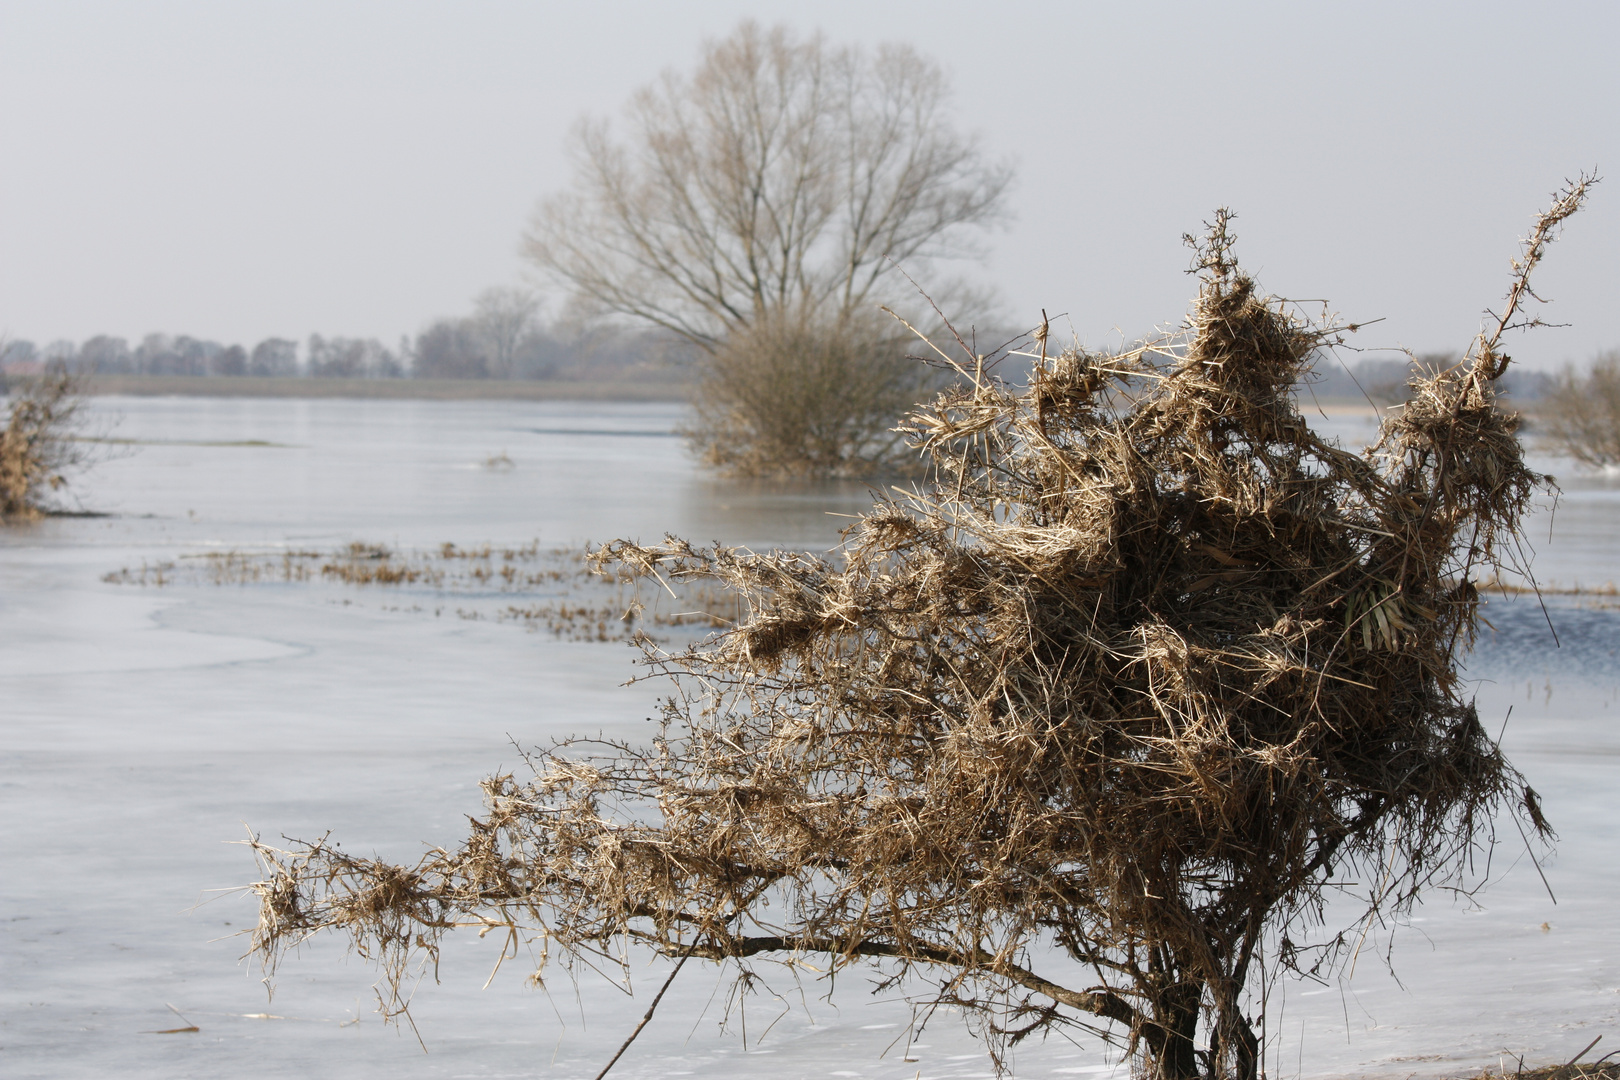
(1144, 671)
(37, 447)
(794, 395)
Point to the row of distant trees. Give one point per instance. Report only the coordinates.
(504, 337)
(1384, 381)
(170, 354)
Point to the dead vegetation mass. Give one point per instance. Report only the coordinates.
(1145, 672)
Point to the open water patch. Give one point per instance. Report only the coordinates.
(1558, 636)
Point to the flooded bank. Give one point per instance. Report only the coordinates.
(145, 728)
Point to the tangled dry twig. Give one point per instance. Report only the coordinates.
(1145, 668)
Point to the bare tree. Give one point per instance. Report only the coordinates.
(759, 209)
(351, 358)
(232, 360)
(103, 354)
(274, 357)
(449, 349)
(1580, 416)
(783, 173)
(502, 320)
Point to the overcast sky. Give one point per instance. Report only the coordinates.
(236, 170)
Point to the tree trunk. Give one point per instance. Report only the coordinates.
(1234, 1047)
(1172, 1046)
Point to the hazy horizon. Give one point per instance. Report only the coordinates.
(360, 168)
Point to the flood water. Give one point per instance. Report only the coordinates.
(144, 729)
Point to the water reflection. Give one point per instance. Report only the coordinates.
(1558, 636)
(802, 514)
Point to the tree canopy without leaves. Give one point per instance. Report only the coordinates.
(503, 318)
(1580, 416)
(782, 175)
(1089, 727)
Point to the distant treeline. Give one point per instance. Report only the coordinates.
(1384, 381)
(503, 338)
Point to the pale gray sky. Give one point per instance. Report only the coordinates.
(237, 170)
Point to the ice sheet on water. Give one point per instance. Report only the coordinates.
(69, 632)
(141, 728)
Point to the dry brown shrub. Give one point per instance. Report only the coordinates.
(797, 395)
(37, 447)
(1144, 671)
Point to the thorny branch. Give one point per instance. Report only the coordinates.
(1144, 672)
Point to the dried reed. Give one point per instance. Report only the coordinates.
(548, 582)
(1144, 672)
(1602, 1070)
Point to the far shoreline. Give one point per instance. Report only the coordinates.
(390, 389)
(256, 386)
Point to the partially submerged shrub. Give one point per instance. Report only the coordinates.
(1580, 416)
(798, 395)
(1146, 669)
(37, 448)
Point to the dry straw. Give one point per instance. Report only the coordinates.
(552, 589)
(1086, 727)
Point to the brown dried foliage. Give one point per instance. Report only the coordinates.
(558, 590)
(796, 395)
(1144, 671)
(37, 448)
(1601, 1070)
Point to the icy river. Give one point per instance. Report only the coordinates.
(143, 729)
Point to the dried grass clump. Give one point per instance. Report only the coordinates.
(1602, 1070)
(1145, 671)
(37, 447)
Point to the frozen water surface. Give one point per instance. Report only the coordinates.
(144, 729)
